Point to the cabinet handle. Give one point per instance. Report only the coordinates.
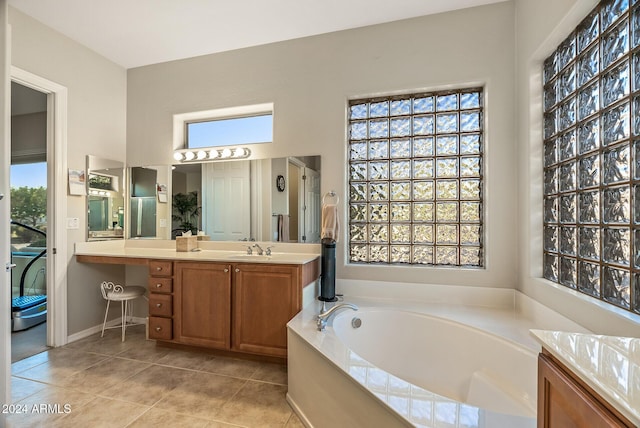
(237, 270)
(158, 305)
(158, 328)
(158, 268)
(226, 270)
(158, 285)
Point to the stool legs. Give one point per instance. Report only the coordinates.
(106, 312)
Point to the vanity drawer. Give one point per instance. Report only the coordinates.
(160, 268)
(160, 328)
(160, 304)
(160, 285)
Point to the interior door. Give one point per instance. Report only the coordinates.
(5, 164)
(226, 206)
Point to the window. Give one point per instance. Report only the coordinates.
(229, 126)
(230, 131)
(415, 179)
(591, 157)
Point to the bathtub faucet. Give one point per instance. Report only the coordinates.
(323, 317)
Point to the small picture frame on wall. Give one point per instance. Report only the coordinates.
(280, 183)
(77, 182)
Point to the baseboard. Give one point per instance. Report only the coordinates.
(98, 328)
(298, 412)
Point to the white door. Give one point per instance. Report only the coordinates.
(226, 207)
(312, 205)
(5, 164)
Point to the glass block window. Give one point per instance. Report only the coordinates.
(592, 157)
(415, 179)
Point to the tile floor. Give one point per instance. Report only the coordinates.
(108, 383)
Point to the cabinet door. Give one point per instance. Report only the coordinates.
(202, 311)
(563, 403)
(265, 299)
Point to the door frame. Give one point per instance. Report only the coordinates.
(56, 201)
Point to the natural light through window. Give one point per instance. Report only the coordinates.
(592, 157)
(230, 131)
(415, 179)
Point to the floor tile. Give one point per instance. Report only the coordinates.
(269, 372)
(145, 350)
(104, 375)
(60, 364)
(257, 404)
(102, 412)
(294, 422)
(184, 359)
(201, 394)
(154, 418)
(59, 401)
(34, 360)
(243, 369)
(22, 388)
(149, 385)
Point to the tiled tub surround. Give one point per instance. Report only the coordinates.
(331, 384)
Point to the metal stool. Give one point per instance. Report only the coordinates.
(118, 293)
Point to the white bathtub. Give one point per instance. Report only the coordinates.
(419, 363)
(456, 361)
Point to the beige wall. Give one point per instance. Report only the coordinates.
(96, 123)
(540, 26)
(309, 81)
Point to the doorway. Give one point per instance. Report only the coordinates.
(29, 221)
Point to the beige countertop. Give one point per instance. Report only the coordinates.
(233, 252)
(610, 365)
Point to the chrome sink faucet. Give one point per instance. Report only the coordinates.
(249, 250)
(324, 316)
(260, 250)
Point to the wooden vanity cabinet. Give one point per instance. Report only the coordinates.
(565, 401)
(160, 284)
(265, 298)
(202, 310)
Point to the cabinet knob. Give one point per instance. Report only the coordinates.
(237, 270)
(158, 268)
(158, 285)
(226, 270)
(158, 305)
(158, 328)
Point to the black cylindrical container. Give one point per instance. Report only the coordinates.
(328, 275)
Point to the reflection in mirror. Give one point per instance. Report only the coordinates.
(105, 199)
(142, 202)
(264, 200)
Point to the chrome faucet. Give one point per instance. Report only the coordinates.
(323, 317)
(260, 250)
(249, 250)
(268, 250)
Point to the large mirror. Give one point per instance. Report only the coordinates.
(264, 200)
(105, 199)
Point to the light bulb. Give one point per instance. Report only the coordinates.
(226, 153)
(213, 154)
(178, 156)
(189, 156)
(240, 152)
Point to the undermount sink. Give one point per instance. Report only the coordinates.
(250, 257)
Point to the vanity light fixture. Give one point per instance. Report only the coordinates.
(213, 154)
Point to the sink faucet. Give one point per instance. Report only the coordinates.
(323, 317)
(268, 250)
(249, 250)
(260, 250)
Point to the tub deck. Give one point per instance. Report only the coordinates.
(324, 374)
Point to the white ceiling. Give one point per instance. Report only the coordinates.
(134, 33)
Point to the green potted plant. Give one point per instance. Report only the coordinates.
(186, 211)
